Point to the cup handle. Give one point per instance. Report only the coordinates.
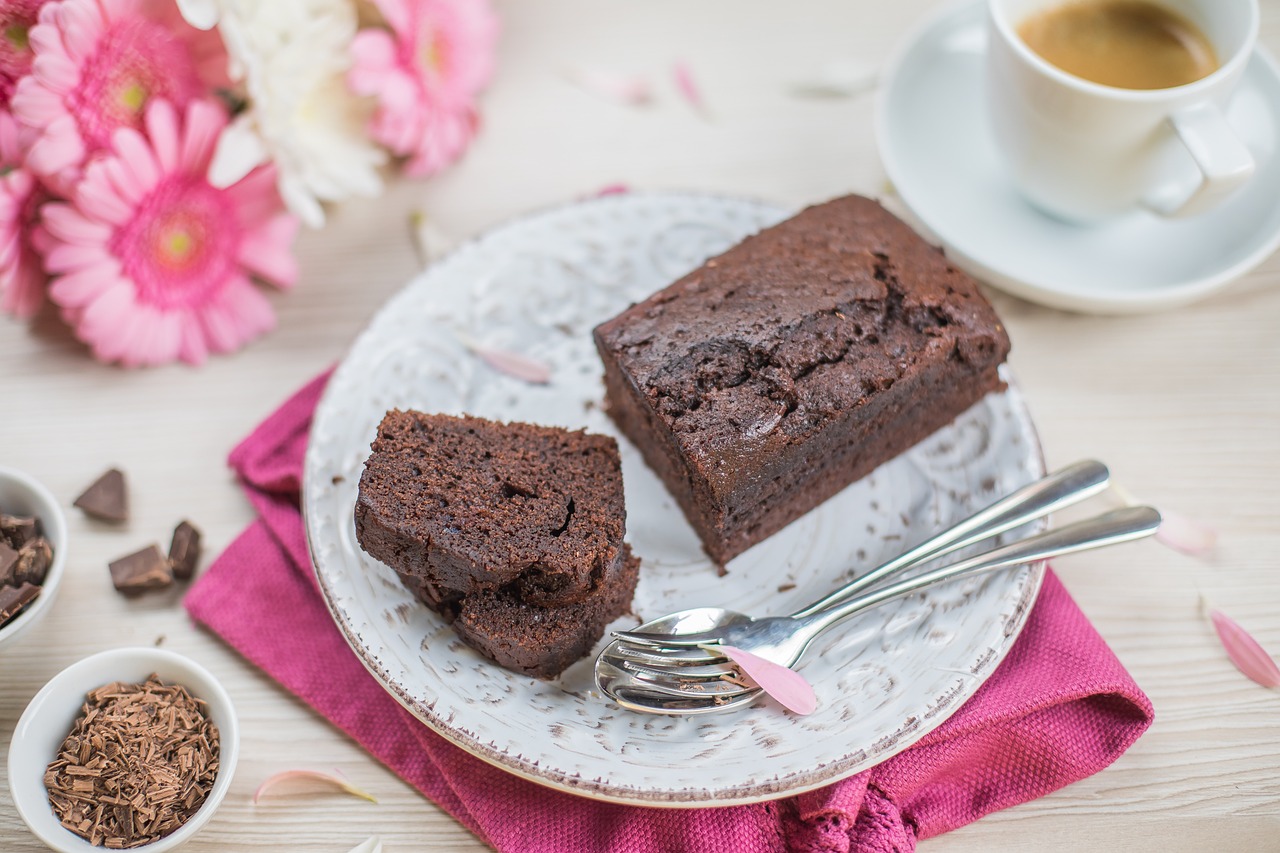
(1223, 160)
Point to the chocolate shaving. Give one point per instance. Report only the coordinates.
(139, 761)
(141, 571)
(14, 599)
(184, 550)
(107, 499)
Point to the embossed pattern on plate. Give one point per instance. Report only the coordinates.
(538, 285)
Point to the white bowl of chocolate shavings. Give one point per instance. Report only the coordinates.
(131, 748)
(33, 552)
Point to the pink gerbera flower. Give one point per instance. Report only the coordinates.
(17, 17)
(425, 74)
(98, 64)
(21, 277)
(151, 261)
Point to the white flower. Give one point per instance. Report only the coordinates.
(292, 58)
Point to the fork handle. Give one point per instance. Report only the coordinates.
(1035, 500)
(1111, 528)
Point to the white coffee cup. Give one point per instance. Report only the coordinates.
(1086, 152)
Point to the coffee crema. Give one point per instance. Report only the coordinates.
(1128, 44)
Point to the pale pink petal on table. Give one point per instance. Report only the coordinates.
(627, 89)
(512, 364)
(689, 89)
(1185, 534)
(292, 778)
(1245, 652)
(786, 685)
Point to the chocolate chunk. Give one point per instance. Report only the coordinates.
(18, 530)
(107, 498)
(184, 550)
(34, 560)
(14, 599)
(8, 562)
(141, 571)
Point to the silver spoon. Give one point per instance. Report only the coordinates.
(664, 675)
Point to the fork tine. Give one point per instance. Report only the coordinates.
(657, 671)
(668, 641)
(714, 689)
(663, 657)
(640, 699)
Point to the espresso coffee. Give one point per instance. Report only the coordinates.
(1129, 44)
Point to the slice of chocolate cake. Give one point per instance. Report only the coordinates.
(513, 532)
(776, 374)
(470, 505)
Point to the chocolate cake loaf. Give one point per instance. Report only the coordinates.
(776, 374)
(512, 531)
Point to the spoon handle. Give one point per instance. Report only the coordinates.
(1034, 500)
(1110, 528)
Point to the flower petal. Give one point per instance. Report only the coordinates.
(267, 250)
(629, 90)
(688, 88)
(55, 72)
(79, 289)
(286, 777)
(162, 131)
(1185, 534)
(512, 364)
(1245, 652)
(201, 14)
(240, 150)
(205, 120)
(137, 156)
(59, 147)
(70, 226)
(74, 257)
(782, 683)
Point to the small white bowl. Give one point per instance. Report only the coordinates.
(48, 718)
(22, 495)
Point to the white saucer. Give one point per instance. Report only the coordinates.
(938, 152)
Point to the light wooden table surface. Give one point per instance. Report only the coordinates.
(1184, 405)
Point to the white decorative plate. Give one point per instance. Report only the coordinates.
(537, 286)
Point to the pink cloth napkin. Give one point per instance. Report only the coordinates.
(1059, 708)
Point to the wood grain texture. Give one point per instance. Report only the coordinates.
(1184, 405)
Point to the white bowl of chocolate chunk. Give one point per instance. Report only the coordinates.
(33, 552)
(130, 748)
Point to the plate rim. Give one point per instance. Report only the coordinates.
(600, 790)
(1168, 296)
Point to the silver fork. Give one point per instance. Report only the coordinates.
(1058, 490)
(678, 673)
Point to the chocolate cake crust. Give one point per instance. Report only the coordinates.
(776, 374)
